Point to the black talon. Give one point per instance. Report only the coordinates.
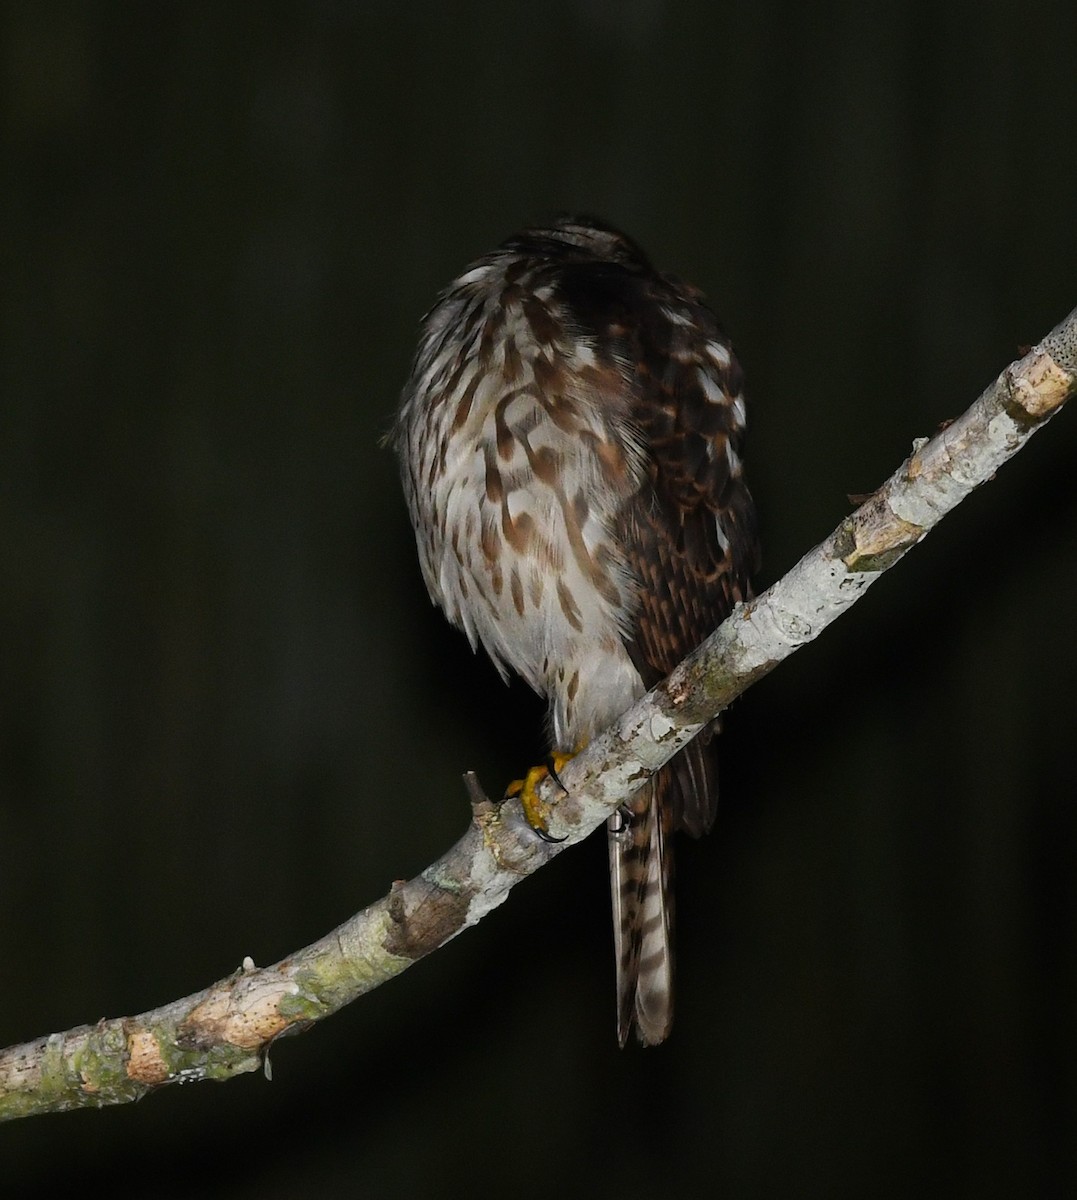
(548, 837)
(552, 772)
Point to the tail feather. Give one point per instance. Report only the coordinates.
(641, 878)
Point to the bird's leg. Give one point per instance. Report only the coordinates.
(536, 810)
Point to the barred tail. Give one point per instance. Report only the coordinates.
(641, 885)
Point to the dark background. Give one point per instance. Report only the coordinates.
(229, 716)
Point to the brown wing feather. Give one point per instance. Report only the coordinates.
(690, 533)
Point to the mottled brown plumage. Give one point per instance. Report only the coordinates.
(570, 443)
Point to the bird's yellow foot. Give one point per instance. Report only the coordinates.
(536, 810)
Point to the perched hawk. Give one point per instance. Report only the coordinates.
(570, 441)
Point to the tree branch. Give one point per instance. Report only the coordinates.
(227, 1028)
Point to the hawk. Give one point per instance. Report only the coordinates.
(570, 443)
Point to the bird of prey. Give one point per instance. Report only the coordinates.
(570, 443)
